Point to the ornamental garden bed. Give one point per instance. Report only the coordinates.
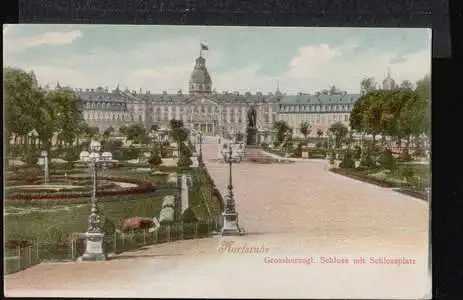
(363, 177)
(142, 186)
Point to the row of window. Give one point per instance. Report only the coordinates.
(103, 105)
(317, 118)
(327, 107)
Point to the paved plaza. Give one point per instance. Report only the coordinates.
(297, 210)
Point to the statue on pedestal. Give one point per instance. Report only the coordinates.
(251, 131)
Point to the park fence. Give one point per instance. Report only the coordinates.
(23, 257)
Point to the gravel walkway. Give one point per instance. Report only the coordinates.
(294, 211)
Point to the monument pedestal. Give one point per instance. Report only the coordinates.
(251, 136)
(230, 225)
(94, 250)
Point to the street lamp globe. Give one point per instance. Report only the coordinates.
(95, 146)
(84, 156)
(107, 156)
(94, 156)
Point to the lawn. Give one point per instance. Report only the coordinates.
(55, 224)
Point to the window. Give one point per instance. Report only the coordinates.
(346, 118)
(318, 118)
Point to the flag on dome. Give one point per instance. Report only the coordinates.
(204, 47)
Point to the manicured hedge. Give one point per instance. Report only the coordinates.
(414, 193)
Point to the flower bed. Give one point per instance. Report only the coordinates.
(143, 186)
(419, 194)
(364, 178)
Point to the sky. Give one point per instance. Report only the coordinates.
(254, 59)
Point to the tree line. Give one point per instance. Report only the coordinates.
(32, 112)
(401, 114)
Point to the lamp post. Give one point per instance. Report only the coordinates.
(44, 155)
(230, 216)
(94, 235)
(199, 136)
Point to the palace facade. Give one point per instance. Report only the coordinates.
(213, 113)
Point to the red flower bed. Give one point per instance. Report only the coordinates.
(142, 187)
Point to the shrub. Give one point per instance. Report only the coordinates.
(405, 155)
(318, 145)
(357, 152)
(386, 160)
(419, 152)
(317, 153)
(408, 173)
(189, 216)
(264, 145)
(184, 161)
(347, 161)
(31, 158)
(366, 161)
(155, 160)
(129, 153)
(298, 150)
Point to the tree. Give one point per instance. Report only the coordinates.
(319, 133)
(135, 133)
(29, 107)
(339, 131)
(283, 132)
(406, 85)
(368, 84)
(239, 137)
(107, 133)
(184, 159)
(155, 160)
(305, 129)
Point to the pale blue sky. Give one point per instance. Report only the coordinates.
(241, 59)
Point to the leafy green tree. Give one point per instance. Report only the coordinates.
(368, 84)
(386, 160)
(347, 161)
(283, 131)
(135, 133)
(339, 132)
(107, 133)
(406, 85)
(319, 133)
(155, 160)
(305, 129)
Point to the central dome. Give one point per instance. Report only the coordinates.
(200, 80)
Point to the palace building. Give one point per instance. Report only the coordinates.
(211, 112)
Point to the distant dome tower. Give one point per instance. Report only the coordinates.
(388, 82)
(200, 80)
